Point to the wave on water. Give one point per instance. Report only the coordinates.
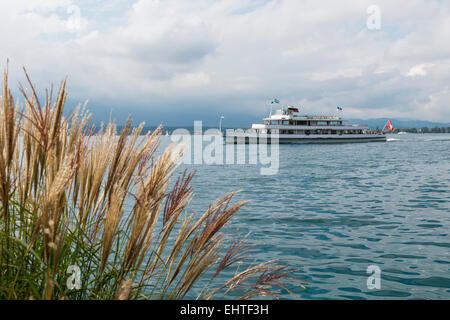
(438, 139)
(334, 210)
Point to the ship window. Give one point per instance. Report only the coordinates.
(321, 123)
(286, 122)
(274, 122)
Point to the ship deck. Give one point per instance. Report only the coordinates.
(249, 138)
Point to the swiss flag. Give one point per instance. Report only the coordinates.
(389, 126)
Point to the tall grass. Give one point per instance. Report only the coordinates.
(65, 196)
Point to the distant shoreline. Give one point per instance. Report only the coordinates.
(169, 129)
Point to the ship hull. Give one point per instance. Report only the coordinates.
(303, 139)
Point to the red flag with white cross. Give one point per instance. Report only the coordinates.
(389, 126)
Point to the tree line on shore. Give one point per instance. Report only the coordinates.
(435, 129)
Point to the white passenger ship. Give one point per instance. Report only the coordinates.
(289, 126)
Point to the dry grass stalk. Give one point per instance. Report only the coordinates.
(103, 202)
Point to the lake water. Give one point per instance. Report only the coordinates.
(334, 210)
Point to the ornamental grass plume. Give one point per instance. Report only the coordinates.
(72, 195)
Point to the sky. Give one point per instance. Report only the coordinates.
(176, 61)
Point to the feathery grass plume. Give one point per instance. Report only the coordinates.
(236, 253)
(101, 204)
(125, 290)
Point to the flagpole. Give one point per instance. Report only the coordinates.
(384, 127)
(220, 123)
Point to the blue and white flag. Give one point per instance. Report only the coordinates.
(339, 108)
(275, 101)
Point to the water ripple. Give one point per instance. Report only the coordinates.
(334, 210)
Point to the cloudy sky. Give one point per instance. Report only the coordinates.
(175, 61)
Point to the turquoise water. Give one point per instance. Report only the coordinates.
(334, 210)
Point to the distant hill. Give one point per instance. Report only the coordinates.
(372, 123)
(398, 123)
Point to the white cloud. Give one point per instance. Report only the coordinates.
(419, 70)
(189, 80)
